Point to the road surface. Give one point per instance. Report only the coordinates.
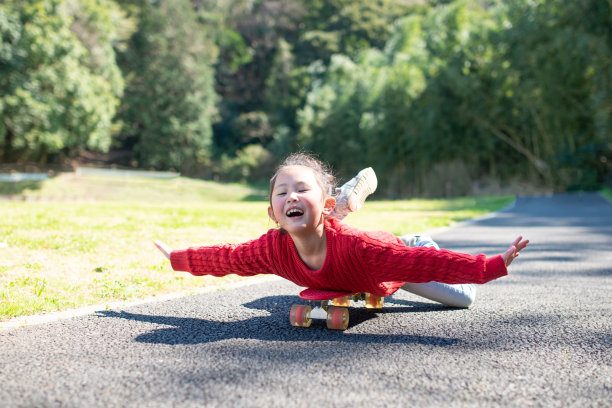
(539, 337)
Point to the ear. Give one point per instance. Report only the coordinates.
(271, 215)
(330, 204)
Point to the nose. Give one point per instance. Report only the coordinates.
(292, 196)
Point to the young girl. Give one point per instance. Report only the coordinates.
(314, 250)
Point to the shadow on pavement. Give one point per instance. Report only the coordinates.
(276, 327)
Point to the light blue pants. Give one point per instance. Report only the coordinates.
(461, 295)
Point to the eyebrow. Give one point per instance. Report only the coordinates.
(299, 183)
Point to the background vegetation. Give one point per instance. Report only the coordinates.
(441, 97)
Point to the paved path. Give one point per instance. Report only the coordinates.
(540, 337)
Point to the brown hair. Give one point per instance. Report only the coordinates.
(322, 172)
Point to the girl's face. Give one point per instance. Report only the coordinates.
(298, 202)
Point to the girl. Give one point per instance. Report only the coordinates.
(313, 249)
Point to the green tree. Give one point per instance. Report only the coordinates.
(101, 26)
(282, 39)
(169, 101)
(472, 90)
(53, 100)
(249, 41)
(341, 114)
(558, 57)
(347, 27)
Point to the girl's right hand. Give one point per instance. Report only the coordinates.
(165, 249)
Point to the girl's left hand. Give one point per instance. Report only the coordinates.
(512, 252)
(165, 249)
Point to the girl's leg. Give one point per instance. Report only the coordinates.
(461, 295)
(351, 196)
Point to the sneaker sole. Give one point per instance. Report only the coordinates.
(365, 186)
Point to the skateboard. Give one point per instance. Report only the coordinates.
(331, 306)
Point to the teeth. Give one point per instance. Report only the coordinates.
(294, 212)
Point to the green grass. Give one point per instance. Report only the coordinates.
(84, 241)
(607, 193)
(68, 186)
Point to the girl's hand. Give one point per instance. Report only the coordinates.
(165, 249)
(512, 252)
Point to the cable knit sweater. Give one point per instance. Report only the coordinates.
(356, 261)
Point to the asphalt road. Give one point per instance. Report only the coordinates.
(539, 337)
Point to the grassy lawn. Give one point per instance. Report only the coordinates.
(80, 241)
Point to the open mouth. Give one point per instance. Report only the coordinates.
(294, 212)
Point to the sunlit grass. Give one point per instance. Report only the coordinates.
(607, 193)
(62, 255)
(68, 186)
(56, 255)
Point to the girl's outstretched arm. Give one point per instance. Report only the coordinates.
(165, 249)
(516, 247)
(244, 259)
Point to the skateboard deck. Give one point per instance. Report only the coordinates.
(318, 294)
(332, 307)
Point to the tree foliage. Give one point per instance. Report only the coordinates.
(56, 96)
(169, 100)
(287, 42)
(436, 95)
(498, 90)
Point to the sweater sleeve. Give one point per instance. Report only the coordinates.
(245, 259)
(421, 264)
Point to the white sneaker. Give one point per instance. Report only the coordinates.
(353, 193)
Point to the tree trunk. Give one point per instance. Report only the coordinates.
(7, 149)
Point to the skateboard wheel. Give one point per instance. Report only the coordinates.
(300, 316)
(337, 318)
(373, 302)
(343, 301)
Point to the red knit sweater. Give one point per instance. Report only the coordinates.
(356, 261)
